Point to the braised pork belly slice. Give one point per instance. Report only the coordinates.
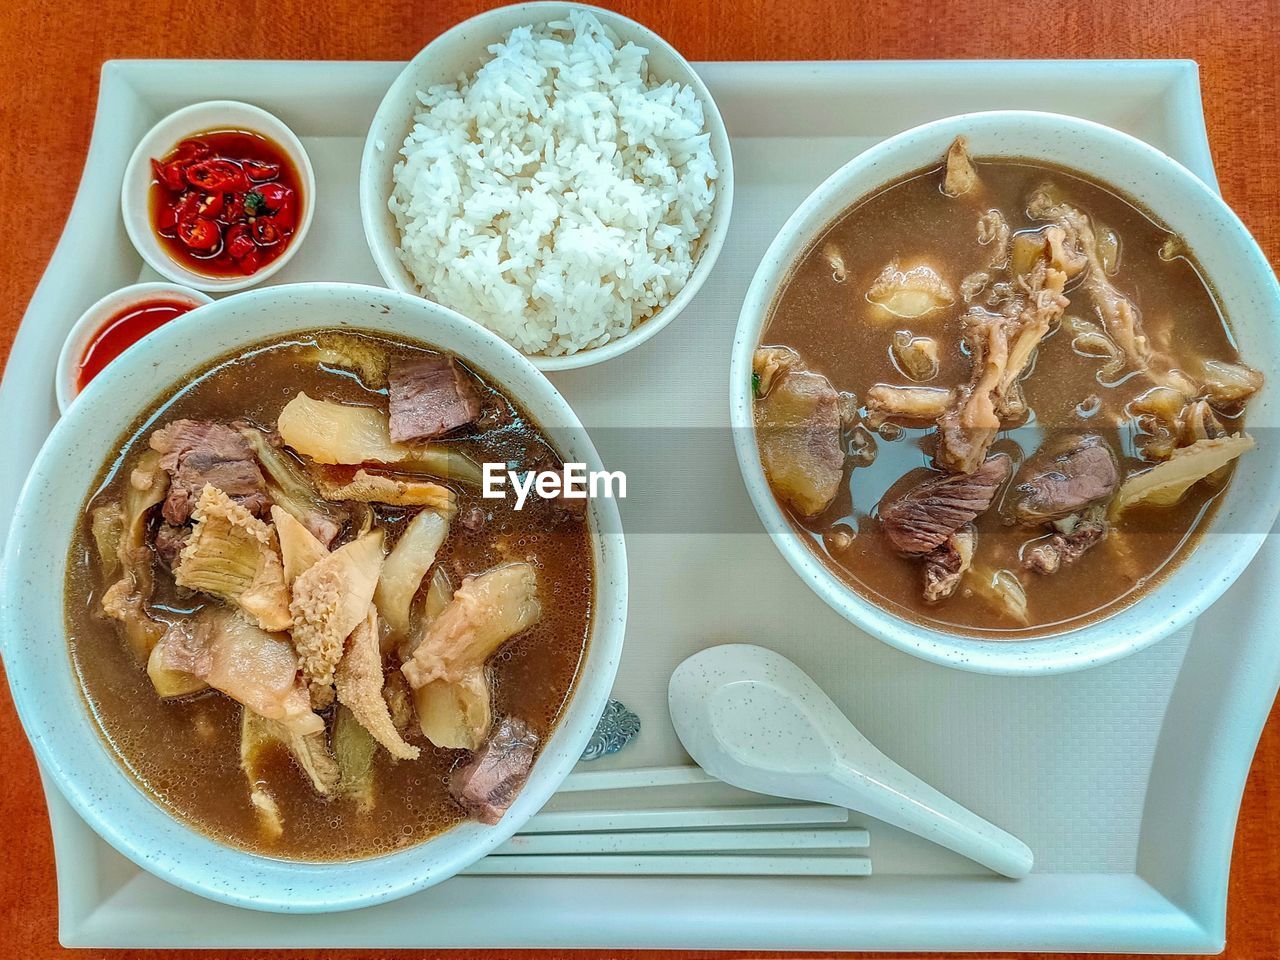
(487, 785)
(429, 397)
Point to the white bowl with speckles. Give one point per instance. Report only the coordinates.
(463, 49)
(1246, 288)
(33, 631)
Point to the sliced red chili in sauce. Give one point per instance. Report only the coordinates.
(200, 234)
(225, 202)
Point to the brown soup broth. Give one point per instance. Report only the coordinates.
(839, 333)
(185, 753)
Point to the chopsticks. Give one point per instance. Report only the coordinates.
(673, 866)
(635, 778)
(589, 821)
(689, 841)
(679, 841)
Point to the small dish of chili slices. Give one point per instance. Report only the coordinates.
(218, 196)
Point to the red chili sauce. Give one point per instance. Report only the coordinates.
(225, 203)
(124, 330)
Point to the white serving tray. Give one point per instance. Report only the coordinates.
(1125, 779)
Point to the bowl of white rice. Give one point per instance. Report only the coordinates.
(556, 173)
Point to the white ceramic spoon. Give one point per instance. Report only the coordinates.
(752, 718)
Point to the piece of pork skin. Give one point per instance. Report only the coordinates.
(798, 429)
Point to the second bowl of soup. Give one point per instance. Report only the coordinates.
(1001, 390)
(309, 664)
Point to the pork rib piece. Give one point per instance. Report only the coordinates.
(1069, 544)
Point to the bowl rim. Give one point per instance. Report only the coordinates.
(90, 324)
(1063, 651)
(134, 204)
(373, 196)
(216, 870)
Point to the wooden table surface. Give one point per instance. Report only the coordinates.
(50, 54)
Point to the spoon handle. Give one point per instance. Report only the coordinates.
(886, 791)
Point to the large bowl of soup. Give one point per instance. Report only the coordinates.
(264, 628)
(1003, 391)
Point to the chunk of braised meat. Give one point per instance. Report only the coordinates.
(169, 541)
(1077, 248)
(488, 783)
(1002, 348)
(1077, 534)
(1065, 480)
(1229, 386)
(563, 506)
(473, 518)
(944, 566)
(199, 452)
(798, 424)
(429, 397)
(910, 293)
(960, 177)
(922, 519)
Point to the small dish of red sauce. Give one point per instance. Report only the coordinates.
(225, 203)
(124, 330)
(114, 324)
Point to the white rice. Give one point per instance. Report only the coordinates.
(557, 197)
